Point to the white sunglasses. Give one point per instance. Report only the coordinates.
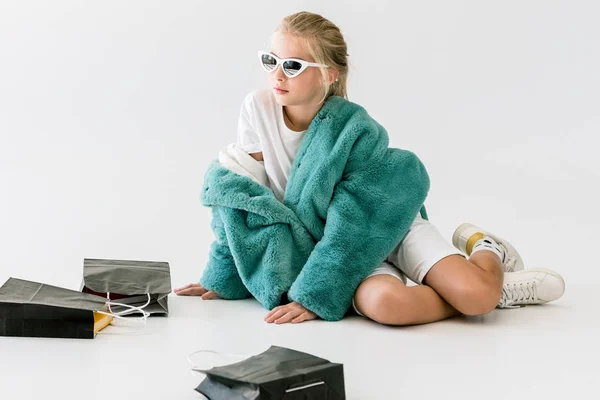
(292, 67)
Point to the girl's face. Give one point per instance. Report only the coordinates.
(306, 88)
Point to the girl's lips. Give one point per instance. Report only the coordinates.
(277, 90)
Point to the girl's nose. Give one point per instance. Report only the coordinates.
(279, 74)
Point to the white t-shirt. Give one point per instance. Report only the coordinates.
(261, 127)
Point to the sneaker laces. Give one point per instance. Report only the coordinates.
(515, 294)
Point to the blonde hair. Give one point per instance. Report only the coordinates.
(326, 45)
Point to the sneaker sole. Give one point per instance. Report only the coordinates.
(465, 231)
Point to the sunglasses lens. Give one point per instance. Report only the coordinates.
(268, 62)
(292, 67)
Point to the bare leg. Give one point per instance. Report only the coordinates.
(472, 286)
(387, 300)
(454, 285)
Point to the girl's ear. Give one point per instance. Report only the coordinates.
(333, 75)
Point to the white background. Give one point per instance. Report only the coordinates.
(110, 112)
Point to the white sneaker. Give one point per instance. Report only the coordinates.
(530, 286)
(466, 235)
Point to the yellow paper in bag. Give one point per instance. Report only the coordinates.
(101, 321)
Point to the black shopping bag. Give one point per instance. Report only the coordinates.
(277, 373)
(129, 282)
(38, 310)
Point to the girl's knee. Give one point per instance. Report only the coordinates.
(381, 301)
(464, 285)
(480, 296)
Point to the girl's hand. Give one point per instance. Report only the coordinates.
(196, 289)
(293, 312)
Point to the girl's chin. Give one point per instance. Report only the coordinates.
(283, 100)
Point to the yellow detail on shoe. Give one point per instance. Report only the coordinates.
(472, 240)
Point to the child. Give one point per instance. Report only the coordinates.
(271, 126)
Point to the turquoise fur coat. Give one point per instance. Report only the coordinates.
(348, 202)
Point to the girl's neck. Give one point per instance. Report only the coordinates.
(298, 118)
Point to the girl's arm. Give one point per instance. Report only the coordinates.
(372, 208)
(221, 274)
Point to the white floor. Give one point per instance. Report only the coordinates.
(111, 111)
(542, 352)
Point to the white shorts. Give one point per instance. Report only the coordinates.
(420, 249)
